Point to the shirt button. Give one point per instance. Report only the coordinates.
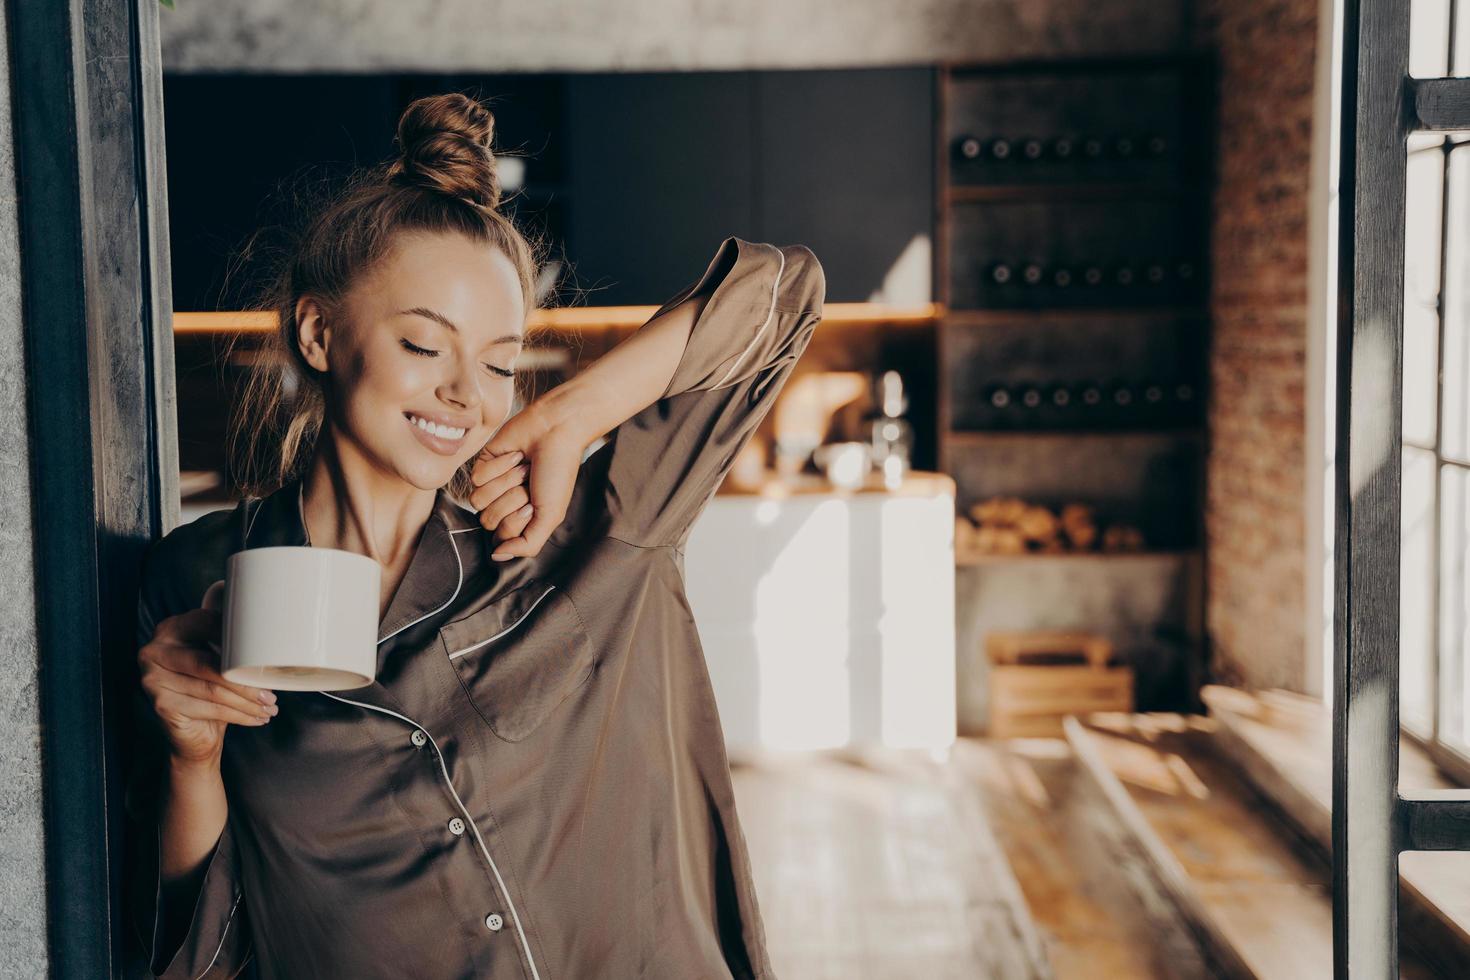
(418, 737)
(493, 922)
(456, 826)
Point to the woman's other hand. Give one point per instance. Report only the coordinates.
(180, 675)
(524, 478)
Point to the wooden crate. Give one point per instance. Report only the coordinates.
(1038, 677)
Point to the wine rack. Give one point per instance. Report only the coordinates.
(1072, 208)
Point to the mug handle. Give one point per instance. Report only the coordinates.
(216, 597)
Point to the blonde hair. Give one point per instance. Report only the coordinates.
(443, 179)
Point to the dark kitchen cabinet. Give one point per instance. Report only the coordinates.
(633, 177)
(664, 165)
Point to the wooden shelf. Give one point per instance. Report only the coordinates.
(967, 559)
(833, 314)
(584, 318)
(982, 436)
(1069, 314)
(1039, 191)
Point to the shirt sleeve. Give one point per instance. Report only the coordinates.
(764, 302)
(198, 929)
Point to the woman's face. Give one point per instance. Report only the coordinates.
(420, 365)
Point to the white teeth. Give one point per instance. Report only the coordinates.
(442, 431)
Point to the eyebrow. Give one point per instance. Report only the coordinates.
(423, 311)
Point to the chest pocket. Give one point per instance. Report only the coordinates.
(520, 657)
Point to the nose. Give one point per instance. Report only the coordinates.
(462, 387)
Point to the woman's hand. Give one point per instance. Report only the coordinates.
(545, 440)
(525, 475)
(180, 675)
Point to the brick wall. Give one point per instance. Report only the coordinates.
(1265, 51)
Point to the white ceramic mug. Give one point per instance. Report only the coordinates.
(300, 619)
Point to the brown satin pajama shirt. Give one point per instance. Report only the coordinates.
(535, 785)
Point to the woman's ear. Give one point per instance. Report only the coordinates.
(312, 332)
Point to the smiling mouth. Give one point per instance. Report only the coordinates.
(442, 439)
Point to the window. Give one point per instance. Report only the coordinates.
(1435, 530)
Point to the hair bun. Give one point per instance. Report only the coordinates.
(444, 146)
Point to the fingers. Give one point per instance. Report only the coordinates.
(492, 488)
(514, 524)
(528, 542)
(171, 704)
(221, 693)
(503, 506)
(167, 655)
(552, 481)
(489, 465)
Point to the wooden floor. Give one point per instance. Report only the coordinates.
(897, 865)
(1086, 886)
(1264, 891)
(1008, 859)
(880, 866)
(1284, 740)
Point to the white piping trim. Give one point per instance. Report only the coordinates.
(510, 902)
(457, 586)
(210, 965)
(468, 819)
(476, 646)
(300, 507)
(769, 314)
(250, 526)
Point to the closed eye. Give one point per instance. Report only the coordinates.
(408, 345)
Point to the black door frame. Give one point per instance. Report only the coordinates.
(1372, 823)
(87, 114)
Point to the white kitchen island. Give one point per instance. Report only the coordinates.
(827, 617)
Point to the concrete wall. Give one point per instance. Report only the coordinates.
(577, 35)
(22, 837)
(1259, 303)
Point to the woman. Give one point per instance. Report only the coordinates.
(536, 784)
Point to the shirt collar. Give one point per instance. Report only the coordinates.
(448, 553)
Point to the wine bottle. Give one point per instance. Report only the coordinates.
(1153, 399)
(1157, 146)
(1032, 149)
(997, 396)
(1124, 275)
(1000, 273)
(1120, 397)
(1123, 146)
(1031, 396)
(969, 147)
(1155, 273)
(1093, 276)
(1092, 148)
(1092, 408)
(1000, 149)
(1062, 277)
(1062, 148)
(1059, 395)
(1032, 274)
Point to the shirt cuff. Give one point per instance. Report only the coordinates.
(758, 294)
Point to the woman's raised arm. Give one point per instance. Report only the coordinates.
(679, 398)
